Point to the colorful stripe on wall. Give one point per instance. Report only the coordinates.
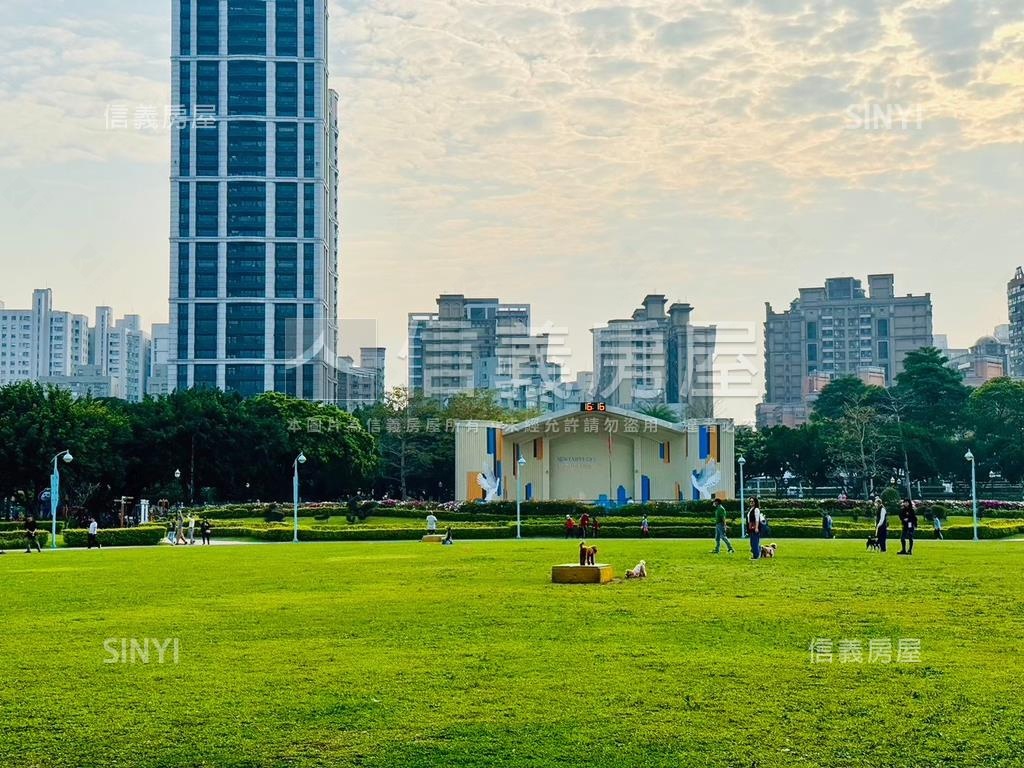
(473, 490)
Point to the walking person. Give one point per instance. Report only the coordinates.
(908, 521)
(191, 529)
(720, 526)
(431, 523)
(595, 526)
(645, 527)
(205, 529)
(936, 526)
(570, 524)
(179, 530)
(881, 524)
(584, 525)
(31, 535)
(754, 525)
(94, 534)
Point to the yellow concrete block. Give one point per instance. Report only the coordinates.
(571, 573)
(434, 538)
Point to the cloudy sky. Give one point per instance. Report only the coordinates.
(574, 154)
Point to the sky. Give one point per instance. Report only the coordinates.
(573, 154)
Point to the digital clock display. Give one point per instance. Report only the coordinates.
(592, 407)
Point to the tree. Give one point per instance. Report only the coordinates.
(934, 395)
(659, 411)
(996, 412)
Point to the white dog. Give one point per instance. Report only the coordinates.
(640, 572)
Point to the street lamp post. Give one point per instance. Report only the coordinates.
(743, 529)
(55, 494)
(519, 483)
(300, 459)
(974, 491)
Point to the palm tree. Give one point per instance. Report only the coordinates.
(659, 411)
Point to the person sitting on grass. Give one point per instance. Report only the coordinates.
(448, 540)
(639, 572)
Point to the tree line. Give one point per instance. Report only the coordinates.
(205, 445)
(918, 430)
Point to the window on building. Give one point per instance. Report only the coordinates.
(309, 150)
(185, 28)
(247, 209)
(245, 329)
(284, 379)
(287, 33)
(287, 78)
(286, 210)
(285, 331)
(207, 87)
(204, 376)
(185, 150)
(185, 87)
(309, 28)
(207, 209)
(246, 380)
(883, 329)
(308, 380)
(309, 327)
(309, 210)
(207, 267)
(247, 88)
(812, 331)
(287, 150)
(205, 340)
(247, 148)
(812, 353)
(883, 350)
(308, 270)
(208, 150)
(208, 27)
(247, 27)
(246, 270)
(309, 105)
(184, 210)
(286, 276)
(183, 331)
(183, 270)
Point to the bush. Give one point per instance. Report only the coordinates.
(142, 536)
(891, 499)
(19, 525)
(16, 539)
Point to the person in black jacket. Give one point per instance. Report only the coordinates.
(908, 522)
(30, 535)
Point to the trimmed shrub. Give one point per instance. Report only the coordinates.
(19, 525)
(143, 535)
(16, 539)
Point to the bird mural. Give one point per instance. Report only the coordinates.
(489, 483)
(705, 481)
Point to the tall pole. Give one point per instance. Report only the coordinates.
(743, 506)
(295, 501)
(520, 463)
(54, 498)
(974, 497)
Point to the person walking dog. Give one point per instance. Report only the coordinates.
(881, 524)
(720, 526)
(755, 523)
(908, 519)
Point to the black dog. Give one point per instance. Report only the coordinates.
(872, 543)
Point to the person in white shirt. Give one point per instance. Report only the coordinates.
(94, 533)
(431, 523)
(881, 524)
(191, 529)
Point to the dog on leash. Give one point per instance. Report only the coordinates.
(769, 550)
(872, 543)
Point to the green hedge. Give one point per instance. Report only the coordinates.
(19, 525)
(356, 533)
(144, 535)
(16, 539)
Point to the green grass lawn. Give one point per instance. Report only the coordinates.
(408, 654)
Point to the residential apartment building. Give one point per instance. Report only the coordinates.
(1015, 297)
(839, 329)
(254, 189)
(657, 356)
(474, 344)
(361, 385)
(159, 357)
(50, 346)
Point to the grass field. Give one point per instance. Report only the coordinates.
(413, 655)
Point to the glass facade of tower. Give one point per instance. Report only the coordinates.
(254, 184)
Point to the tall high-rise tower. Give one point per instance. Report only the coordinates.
(254, 176)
